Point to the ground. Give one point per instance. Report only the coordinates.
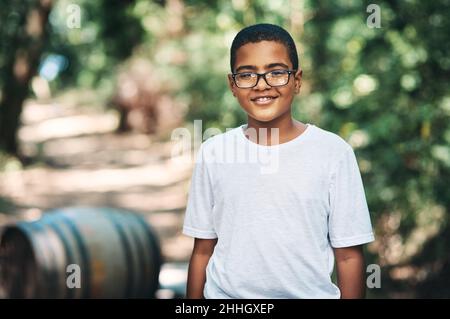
(79, 160)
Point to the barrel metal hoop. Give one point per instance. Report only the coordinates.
(153, 240)
(127, 249)
(85, 259)
(142, 284)
(50, 274)
(70, 293)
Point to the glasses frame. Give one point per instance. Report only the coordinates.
(263, 75)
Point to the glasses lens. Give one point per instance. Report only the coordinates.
(245, 80)
(277, 78)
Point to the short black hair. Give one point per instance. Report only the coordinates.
(264, 32)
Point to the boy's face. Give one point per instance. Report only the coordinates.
(263, 102)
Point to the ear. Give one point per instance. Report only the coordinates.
(231, 84)
(298, 80)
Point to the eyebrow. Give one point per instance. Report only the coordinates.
(267, 66)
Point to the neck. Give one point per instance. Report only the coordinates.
(285, 125)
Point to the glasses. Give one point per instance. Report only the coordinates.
(246, 80)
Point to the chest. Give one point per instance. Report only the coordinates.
(286, 182)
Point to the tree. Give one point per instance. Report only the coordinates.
(27, 37)
(23, 33)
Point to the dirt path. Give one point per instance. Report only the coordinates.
(83, 162)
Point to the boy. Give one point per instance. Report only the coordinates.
(276, 234)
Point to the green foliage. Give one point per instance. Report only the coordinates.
(386, 91)
(107, 35)
(392, 82)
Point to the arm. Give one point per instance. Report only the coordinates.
(203, 249)
(350, 272)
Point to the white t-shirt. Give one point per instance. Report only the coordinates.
(277, 211)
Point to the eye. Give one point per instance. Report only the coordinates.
(278, 73)
(245, 76)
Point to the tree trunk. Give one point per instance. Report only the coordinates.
(26, 48)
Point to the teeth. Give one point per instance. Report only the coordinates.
(263, 99)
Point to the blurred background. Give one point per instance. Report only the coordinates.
(90, 92)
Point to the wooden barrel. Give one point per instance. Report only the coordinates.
(115, 252)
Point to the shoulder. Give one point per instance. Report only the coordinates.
(333, 144)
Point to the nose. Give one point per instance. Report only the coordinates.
(261, 84)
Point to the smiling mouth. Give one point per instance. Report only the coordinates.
(263, 100)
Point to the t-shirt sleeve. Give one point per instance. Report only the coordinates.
(349, 219)
(198, 220)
